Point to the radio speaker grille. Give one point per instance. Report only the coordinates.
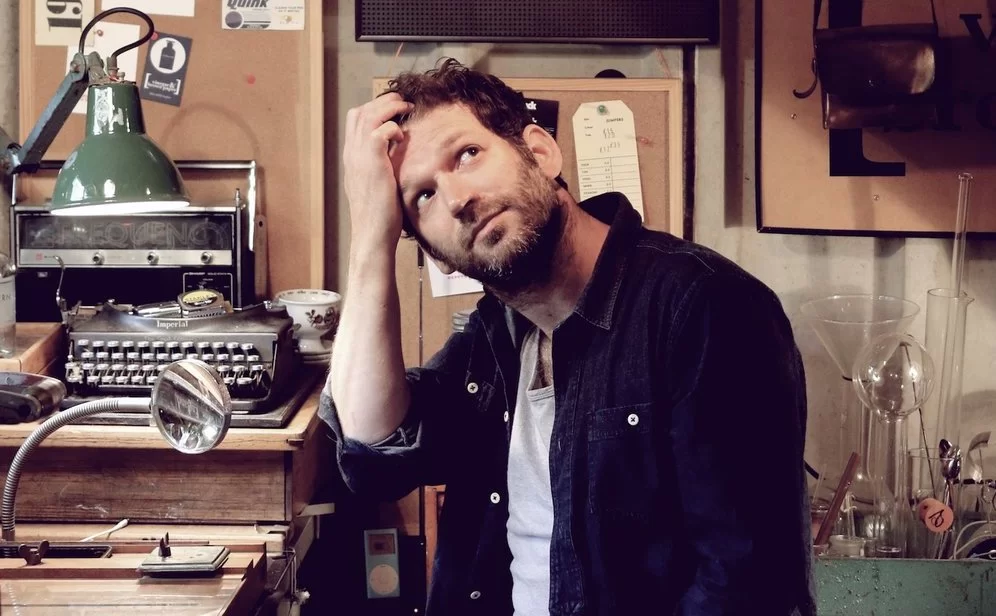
(549, 21)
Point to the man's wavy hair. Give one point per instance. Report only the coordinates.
(496, 106)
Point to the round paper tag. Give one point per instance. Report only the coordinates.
(935, 515)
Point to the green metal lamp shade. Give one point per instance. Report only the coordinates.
(117, 169)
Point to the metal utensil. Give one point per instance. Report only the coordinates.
(944, 448)
(951, 470)
(974, 469)
(951, 467)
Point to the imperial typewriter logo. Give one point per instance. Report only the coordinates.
(172, 323)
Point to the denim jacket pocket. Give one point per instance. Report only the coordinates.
(480, 392)
(622, 461)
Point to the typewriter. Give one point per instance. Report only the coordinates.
(120, 350)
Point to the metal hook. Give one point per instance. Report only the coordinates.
(59, 300)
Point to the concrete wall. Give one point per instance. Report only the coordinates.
(797, 267)
(8, 97)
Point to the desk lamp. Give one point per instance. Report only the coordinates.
(190, 405)
(117, 169)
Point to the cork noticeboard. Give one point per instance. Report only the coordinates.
(657, 111)
(873, 181)
(249, 95)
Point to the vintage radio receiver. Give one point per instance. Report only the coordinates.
(120, 351)
(133, 259)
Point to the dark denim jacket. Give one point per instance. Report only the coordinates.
(676, 460)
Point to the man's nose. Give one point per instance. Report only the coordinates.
(457, 194)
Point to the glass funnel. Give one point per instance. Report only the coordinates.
(893, 376)
(845, 324)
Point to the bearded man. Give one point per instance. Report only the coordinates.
(620, 426)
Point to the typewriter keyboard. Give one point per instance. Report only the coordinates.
(122, 365)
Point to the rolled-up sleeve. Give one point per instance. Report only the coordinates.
(425, 449)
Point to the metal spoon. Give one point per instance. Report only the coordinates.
(944, 448)
(952, 465)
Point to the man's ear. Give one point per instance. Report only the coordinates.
(545, 149)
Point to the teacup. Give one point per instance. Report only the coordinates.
(315, 313)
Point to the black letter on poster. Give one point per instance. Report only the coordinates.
(982, 41)
(847, 156)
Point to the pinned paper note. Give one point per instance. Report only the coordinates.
(166, 69)
(60, 22)
(177, 8)
(108, 37)
(269, 15)
(605, 148)
(450, 284)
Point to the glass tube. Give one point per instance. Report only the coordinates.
(893, 500)
(945, 341)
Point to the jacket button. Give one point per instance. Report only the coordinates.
(475, 595)
(472, 387)
(506, 416)
(633, 419)
(495, 498)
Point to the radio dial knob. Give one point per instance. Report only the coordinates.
(97, 258)
(206, 257)
(152, 257)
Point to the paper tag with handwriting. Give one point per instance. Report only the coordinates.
(935, 515)
(606, 152)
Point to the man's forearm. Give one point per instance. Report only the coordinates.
(367, 379)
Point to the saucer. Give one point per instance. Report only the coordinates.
(310, 347)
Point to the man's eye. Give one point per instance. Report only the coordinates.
(422, 198)
(469, 153)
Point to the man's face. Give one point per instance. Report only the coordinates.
(476, 202)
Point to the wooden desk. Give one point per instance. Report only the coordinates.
(102, 474)
(113, 585)
(247, 494)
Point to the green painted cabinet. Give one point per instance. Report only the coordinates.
(901, 587)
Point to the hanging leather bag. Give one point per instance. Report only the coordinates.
(876, 76)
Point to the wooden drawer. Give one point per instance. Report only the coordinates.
(256, 475)
(40, 346)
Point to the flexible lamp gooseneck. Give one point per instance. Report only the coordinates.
(117, 169)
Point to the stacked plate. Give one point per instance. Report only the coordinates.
(320, 356)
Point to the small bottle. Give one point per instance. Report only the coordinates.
(7, 316)
(168, 57)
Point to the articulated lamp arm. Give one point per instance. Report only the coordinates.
(84, 69)
(15, 158)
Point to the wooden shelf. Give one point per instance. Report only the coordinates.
(113, 586)
(289, 438)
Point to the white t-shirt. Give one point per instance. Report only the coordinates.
(530, 499)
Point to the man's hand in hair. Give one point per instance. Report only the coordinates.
(371, 189)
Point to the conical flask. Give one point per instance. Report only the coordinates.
(845, 324)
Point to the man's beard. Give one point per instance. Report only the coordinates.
(523, 260)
